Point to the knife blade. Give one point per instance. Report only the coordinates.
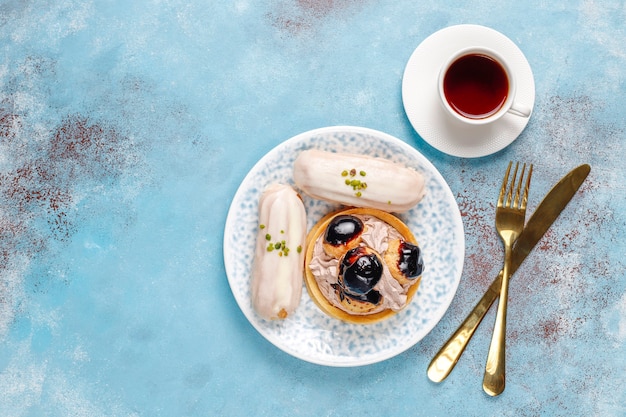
(545, 214)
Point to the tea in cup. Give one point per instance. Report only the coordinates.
(477, 86)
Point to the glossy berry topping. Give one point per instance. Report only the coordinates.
(342, 229)
(410, 261)
(360, 271)
(372, 296)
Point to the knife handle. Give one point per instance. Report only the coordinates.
(449, 354)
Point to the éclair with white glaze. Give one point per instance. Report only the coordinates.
(279, 253)
(358, 180)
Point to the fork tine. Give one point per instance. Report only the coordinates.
(505, 182)
(525, 195)
(509, 196)
(517, 200)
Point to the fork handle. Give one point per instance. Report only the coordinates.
(450, 353)
(494, 378)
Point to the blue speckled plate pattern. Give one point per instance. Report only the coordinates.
(309, 334)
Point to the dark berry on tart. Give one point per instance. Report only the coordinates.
(342, 234)
(360, 270)
(343, 229)
(410, 260)
(404, 260)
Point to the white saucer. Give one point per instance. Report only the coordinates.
(423, 106)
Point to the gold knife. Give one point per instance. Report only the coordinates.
(545, 214)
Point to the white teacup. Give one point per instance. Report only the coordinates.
(477, 87)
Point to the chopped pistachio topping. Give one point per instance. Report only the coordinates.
(268, 237)
(281, 247)
(261, 226)
(357, 185)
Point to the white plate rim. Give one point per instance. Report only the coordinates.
(243, 302)
(426, 113)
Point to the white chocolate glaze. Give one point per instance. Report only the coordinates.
(277, 269)
(374, 182)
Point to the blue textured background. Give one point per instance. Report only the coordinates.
(126, 127)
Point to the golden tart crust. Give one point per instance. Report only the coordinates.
(313, 289)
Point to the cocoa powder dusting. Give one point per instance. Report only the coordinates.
(295, 18)
(321, 7)
(9, 125)
(478, 224)
(37, 188)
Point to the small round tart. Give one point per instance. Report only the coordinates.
(361, 298)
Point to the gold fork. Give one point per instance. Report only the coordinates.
(510, 216)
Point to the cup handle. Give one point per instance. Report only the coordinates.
(520, 110)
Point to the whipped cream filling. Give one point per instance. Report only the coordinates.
(376, 235)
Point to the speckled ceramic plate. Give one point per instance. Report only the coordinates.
(423, 106)
(309, 334)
